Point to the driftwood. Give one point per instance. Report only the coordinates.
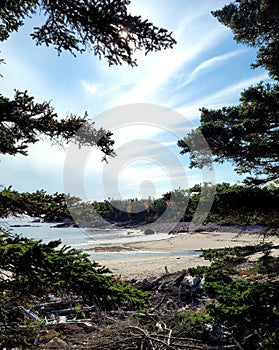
(152, 329)
(177, 289)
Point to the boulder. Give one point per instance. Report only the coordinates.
(148, 231)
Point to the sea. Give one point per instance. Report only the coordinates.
(85, 239)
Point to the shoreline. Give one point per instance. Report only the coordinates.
(148, 267)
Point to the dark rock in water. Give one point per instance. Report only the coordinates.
(66, 223)
(94, 224)
(148, 231)
(60, 225)
(69, 222)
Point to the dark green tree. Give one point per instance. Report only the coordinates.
(37, 204)
(244, 293)
(104, 26)
(255, 23)
(23, 122)
(28, 268)
(247, 134)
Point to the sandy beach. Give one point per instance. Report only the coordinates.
(153, 266)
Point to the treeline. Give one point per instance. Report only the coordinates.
(232, 204)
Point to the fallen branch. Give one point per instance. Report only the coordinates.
(151, 338)
(159, 304)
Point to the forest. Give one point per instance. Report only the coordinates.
(232, 205)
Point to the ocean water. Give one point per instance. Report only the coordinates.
(85, 239)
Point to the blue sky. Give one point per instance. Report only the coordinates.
(205, 69)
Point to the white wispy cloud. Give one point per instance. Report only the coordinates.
(41, 169)
(89, 87)
(149, 79)
(225, 96)
(206, 65)
(17, 74)
(167, 64)
(232, 92)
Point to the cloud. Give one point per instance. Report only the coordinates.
(170, 143)
(17, 74)
(41, 169)
(225, 96)
(205, 65)
(233, 91)
(140, 174)
(155, 71)
(90, 88)
(167, 63)
(88, 84)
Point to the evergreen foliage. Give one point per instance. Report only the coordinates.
(107, 28)
(38, 204)
(247, 134)
(30, 270)
(233, 204)
(104, 26)
(244, 293)
(255, 23)
(24, 122)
